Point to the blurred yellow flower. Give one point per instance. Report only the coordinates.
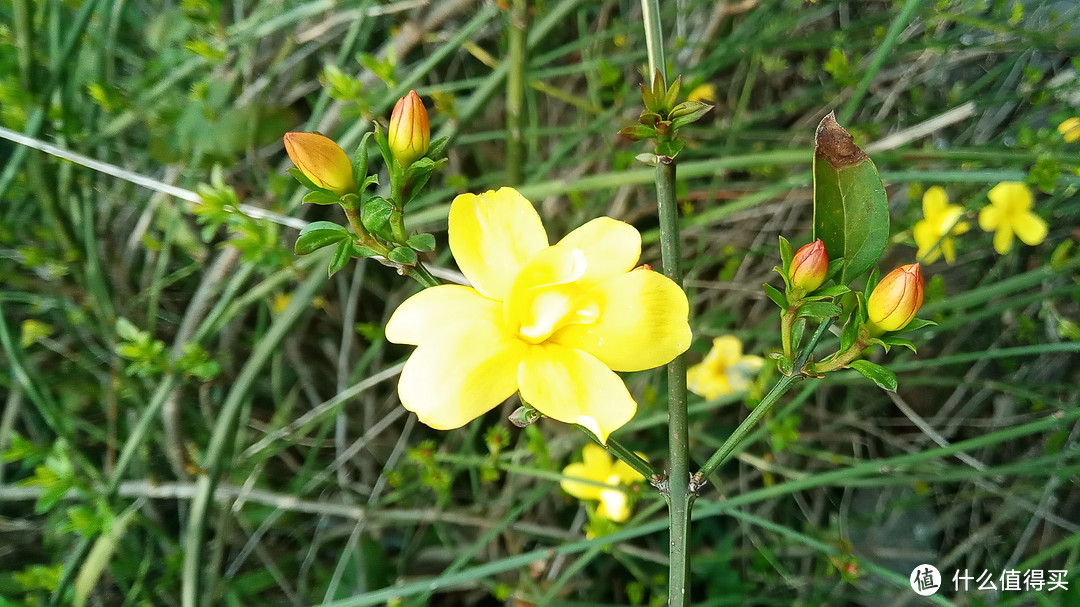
(551, 322)
(941, 221)
(703, 92)
(1008, 213)
(599, 467)
(1070, 129)
(725, 370)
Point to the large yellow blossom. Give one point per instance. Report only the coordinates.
(941, 221)
(1008, 213)
(550, 322)
(725, 370)
(597, 466)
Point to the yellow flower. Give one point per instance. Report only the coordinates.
(703, 92)
(598, 466)
(550, 322)
(1070, 129)
(1008, 213)
(725, 370)
(941, 221)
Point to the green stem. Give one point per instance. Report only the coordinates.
(515, 91)
(643, 467)
(787, 322)
(353, 215)
(761, 410)
(843, 359)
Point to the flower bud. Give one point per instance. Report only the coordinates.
(409, 132)
(809, 266)
(322, 161)
(896, 298)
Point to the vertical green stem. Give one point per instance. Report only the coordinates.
(515, 91)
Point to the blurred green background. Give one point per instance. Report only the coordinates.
(133, 317)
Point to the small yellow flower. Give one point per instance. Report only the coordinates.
(409, 134)
(725, 370)
(1008, 213)
(703, 92)
(551, 322)
(599, 467)
(321, 160)
(1070, 129)
(941, 221)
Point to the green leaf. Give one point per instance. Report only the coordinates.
(687, 112)
(916, 323)
(850, 333)
(421, 242)
(899, 341)
(776, 296)
(672, 96)
(435, 148)
(851, 208)
(833, 291)
(321, 197)
(818, 309)
(342, 255)
(884, 378)
(384, 147)
(319, 234)
(670, 148)
(863, 317)
(376, 214)
(360, 250)
(304, 181)
(403, 255)
(872, 280)
(637, 132)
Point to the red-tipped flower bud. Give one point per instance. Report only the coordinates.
(322, 161)
(409, 132)
(896, 298)
(809, 266)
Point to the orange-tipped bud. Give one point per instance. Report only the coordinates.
(322, 161)
(409, 133)
(809, 266)
(896, 298)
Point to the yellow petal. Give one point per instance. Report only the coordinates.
(611, 247)
(580, 490)
(492, 236)
(642, 324)
(546, 296)
(597, 460)
(468, 371)
(961, 228)
(707, 382)
(625, 473)
(926, 238)
(1003, 239)
(726, 350)
(1011, 195)
(424, 315)
(573, 387)
(989, 218)
(614, 505)
(1030, 228)
(949, 250)
(934, 202)
(1070, 129)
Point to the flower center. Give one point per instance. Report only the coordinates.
(546, 295)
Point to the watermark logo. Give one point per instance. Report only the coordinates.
(925, 580)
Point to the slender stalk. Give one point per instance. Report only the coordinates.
(632, 459)
(515, 90)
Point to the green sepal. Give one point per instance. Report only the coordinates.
(524, 415)
(321, 197)
(877, 342)
(897, 341)
(319, 234)
(384, 148)
(403, 255)
(783, 274)
(421, 242)
(915, 323)
(436, 148)
(786, 255)
(884, 378)
(360, 162)
(864, 316)
(784, 364)
(342, 254)
(776, 296)
(670, 148)
(647, 97)
(851, 207)
(376, 214)
(369, 181)
(818, 309)
(304, 181)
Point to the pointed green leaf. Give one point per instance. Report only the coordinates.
(435, 148)
(818, 309)
(850, 333)
(360, 161)
(321, 197)
(916, 323)
(851, 208)
(672, 96)
(786, 254)
(360, 250)
(884, 378)
(319, 234)
(899, 341)
(342, 255)
(833, 291)
(376, 214)
(304, 181)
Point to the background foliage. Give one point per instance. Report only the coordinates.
(130, 319)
